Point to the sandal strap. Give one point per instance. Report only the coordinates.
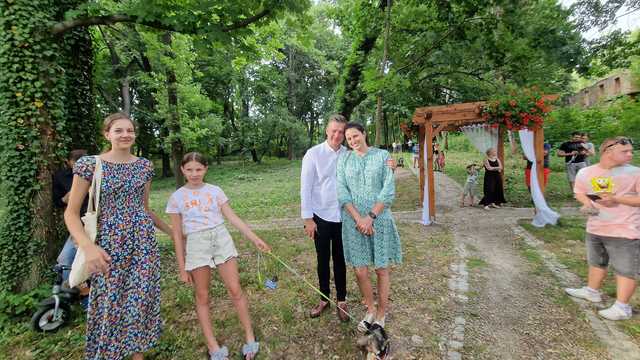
(219, 354)
(251, 348)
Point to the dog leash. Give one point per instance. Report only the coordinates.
(296, 273)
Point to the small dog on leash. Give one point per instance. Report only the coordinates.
(375, 343)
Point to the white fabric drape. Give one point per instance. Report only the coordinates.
(544, 214)
(426, 217)
(482, 136)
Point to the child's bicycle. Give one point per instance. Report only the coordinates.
(55, 311)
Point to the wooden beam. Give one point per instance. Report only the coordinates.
(421, 160)
(437, 130)
(431, 186)
(538, 142)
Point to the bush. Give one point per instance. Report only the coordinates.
(15, 307)
(619, 117)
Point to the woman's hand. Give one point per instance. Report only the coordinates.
(96, 258)
(365, 225)
(185, 277)
(261, 245)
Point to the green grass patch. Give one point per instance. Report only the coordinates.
(476, 263)
(256, 191)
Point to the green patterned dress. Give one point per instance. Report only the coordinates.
(364, 181)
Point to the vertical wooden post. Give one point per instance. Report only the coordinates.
(431, 184)
(538, 143)
(421, 147)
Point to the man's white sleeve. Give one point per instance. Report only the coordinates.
(307, 179)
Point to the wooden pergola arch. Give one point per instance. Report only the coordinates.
(432, 120)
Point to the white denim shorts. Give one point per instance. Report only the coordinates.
(209, 247)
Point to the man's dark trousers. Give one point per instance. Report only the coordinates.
(328, 241)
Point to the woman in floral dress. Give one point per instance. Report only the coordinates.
(366, 189)
(124, 304)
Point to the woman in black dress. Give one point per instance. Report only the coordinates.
(493, 191)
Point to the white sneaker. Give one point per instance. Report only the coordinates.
(614, 313)
(584, 293)
(365, 324)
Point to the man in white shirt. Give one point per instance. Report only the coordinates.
(321, 213)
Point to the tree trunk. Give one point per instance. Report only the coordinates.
(80, 102)
(312, 128)
(219, 154)
(42, 116)
(254, 156)
(166, 157)
(177, 150)
(290, 145)
(381, 121)
(349, 92)
(291, 99)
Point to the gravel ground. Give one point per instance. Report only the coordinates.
(516, 308)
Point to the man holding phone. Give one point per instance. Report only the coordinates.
(574, 153)
(609, 192)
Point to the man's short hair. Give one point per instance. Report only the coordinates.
(76, 154)
(339, 118)
(609, 142)
(576, 133)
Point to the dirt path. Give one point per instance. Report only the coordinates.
(505, 297)
(509, 305)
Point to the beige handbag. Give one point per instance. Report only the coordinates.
(79, 273)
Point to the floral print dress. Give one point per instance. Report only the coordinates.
(124, 305)
(364, 181)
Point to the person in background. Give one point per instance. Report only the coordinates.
(62, 180)
(608, 192)
(440, 160)
(493, 190)
(416, 156)
(436, 154)
(591, 149)
(574, 154)
(470, 184)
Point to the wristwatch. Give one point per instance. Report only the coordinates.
(372, 215)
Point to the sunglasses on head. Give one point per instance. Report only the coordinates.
(621, 141)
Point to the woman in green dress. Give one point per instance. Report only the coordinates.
(366, 189)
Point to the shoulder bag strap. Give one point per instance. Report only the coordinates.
(94, 190)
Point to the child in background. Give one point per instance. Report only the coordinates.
(470, 184)
(196, 211)
(440, 160)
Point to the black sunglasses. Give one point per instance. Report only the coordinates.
(621, 141)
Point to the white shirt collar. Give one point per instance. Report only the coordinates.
(329, 148)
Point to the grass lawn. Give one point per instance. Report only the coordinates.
(280, 316)
(257, 191)
(566, 241)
